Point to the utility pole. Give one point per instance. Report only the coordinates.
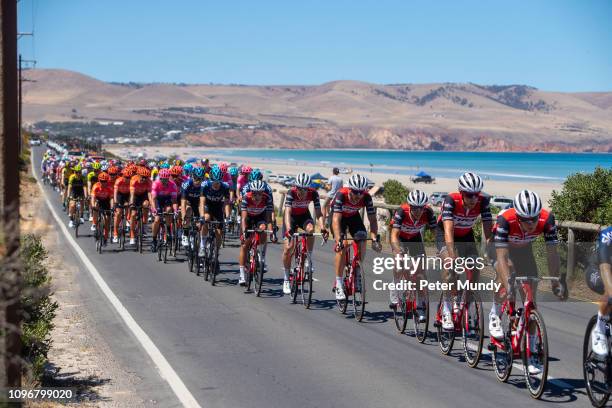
(10, 276)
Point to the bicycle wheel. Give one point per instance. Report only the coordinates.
(421, 303)
(400, 313)
(359, 293)
(446, 339)
(259, 275)
(306, 287)
(472, 327)
(595, 369)
(214, 266)
(536, 382)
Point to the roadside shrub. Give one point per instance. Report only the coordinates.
(38, 308)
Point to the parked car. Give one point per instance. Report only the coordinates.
(501, 202)
(437, 198)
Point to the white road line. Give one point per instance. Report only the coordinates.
(163, 366)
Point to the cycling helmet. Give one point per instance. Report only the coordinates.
(176, 171)
(527, 204)
(233, 171)
(144, 172)
(302, 180)
(96, 166)
(358, 182)
(164, 174)
(113, 170)
(470, 183)
(215, 174)
(417, 198)
(103, 177)
(257, 186)
(246, 170)
(256, 175)
(128, 171)
(198, 172)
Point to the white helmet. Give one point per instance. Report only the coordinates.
(470, 183)
(417, 198)
(302, 180)
(257, 186)
(527, 204)
(358, 182)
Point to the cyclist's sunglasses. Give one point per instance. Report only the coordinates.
(470, 195)
(528, 220)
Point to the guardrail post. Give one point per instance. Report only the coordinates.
(571, 252)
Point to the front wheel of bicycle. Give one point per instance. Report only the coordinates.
(535, 382)
(595, 370)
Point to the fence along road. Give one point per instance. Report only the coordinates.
(233, 349)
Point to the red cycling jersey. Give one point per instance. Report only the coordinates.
(508, 233)
(299, 205)
(343, 205)
(408, 227)
(463, 219)
(253, 208)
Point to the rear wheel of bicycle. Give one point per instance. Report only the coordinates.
(421, 305)
(359, 293)
(259, 275)
(595, 369)
(445, 338)
(536, 382)
(472, 325)
(400, 312)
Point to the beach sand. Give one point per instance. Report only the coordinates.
(378, 175)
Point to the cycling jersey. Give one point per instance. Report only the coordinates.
(507, 230)
(215, 196)
(299, 205)
(409, 228)
(343, 205)
(122, 185)
(463, 219)
(140, 185)
(252, 207)
(604, 246)
(101, 192)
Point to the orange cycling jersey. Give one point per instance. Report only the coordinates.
(140, 187)
(122, 185)
(100, 192)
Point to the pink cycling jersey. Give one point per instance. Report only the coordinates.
(161, 190)
(242, 181)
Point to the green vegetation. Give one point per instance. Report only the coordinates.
(38, 308)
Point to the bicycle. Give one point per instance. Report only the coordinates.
(596, 369)
(255, 268)
(517, 341)
(354, 280)
(301, 276)
(410, 302)
(211, 257)
(468, 319)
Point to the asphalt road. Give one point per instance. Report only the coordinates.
(234, 349)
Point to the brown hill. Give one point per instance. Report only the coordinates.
(348, 113)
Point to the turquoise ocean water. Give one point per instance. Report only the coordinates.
(542, 167)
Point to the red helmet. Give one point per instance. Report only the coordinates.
(246, 170)
(164, 174)
(113, 170)
(144, 172)
(103, 177)
(176, 171)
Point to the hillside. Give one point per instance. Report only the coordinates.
(340, 113)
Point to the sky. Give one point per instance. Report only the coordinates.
(558, 45)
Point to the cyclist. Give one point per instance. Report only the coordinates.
(255, 214)
(297, 215)
(164, 193)
(214, 205)
(140, 196)
(599, 279)
(76, 191)
(101, 199)
(407, 224)
(121, 197)
(348, 201)
(515, 230)
(459, 213)
(191, 191)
